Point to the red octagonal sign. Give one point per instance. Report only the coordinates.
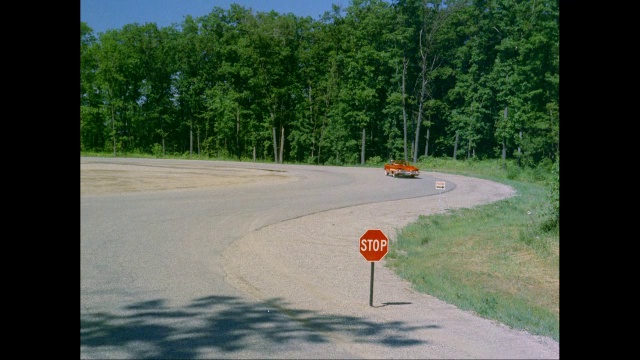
(374, 245)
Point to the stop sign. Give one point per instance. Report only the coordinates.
(374, 245)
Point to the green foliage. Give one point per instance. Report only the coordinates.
(492, 259)
(334, 161)
(311, 160)
(489, 169)
(157, 150)
(375, 161)
(352, 159)
(513, 172)
(551, 217)
(234, 75)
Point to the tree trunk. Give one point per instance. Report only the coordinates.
(113, 128)
(275, 146)
(504, 154)
(415, 152)
(191, 139)
(404, 110)
(519, 152)
(423, 90)
(504, 145)
(426, 146)
(364, 135)
(327, 103)
(281, 145)
(238, 152)
(313, 121)
(455, 147)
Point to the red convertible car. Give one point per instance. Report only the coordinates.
(400, 168)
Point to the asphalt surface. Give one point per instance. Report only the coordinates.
(271, 269)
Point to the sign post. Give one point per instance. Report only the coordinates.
(374, 245)
(440, 185)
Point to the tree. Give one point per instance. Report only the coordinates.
(92, 124)
(434, 17)
(119, 78)
(368, 80)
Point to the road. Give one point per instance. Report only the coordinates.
(252, 260)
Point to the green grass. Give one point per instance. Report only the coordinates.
(500, 260)
(495, 260)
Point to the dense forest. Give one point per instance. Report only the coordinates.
(398, 79)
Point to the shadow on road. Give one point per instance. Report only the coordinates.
(225, 324)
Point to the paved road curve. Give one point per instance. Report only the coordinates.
(222, 272)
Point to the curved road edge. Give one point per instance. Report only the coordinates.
(313, 263)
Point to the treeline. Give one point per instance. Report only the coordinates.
(411, 78)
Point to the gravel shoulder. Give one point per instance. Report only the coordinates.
(313, 262)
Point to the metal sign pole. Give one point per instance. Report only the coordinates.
(371, 287)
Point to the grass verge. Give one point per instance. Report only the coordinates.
(494, 259)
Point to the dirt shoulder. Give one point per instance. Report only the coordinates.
(110, 179)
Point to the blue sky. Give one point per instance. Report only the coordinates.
(102, 15)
